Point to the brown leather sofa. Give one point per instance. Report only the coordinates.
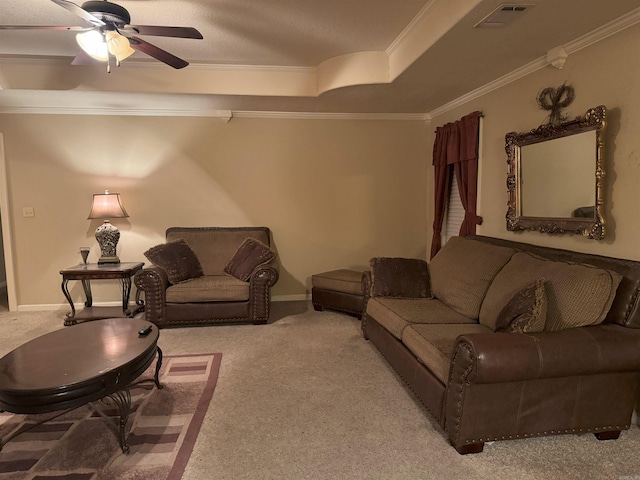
(214, 297)
(481, 385)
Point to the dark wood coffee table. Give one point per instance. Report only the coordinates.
(68, 368)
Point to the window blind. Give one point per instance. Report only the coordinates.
(455, 210)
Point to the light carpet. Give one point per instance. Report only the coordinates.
(83, 445)
(306, 397)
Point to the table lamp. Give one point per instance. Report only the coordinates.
(106, 206)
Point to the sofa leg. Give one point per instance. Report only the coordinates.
(260, 322)
(611, 435)
(317, 307)
(469, 448)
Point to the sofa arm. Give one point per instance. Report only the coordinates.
(153, 281)
(507, 357)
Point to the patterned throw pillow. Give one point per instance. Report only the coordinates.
(526, 312)
(177, 259)
(400, 277)
(248, 256)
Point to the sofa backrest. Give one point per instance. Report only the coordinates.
(625, 309)
(462, 271)
(215, 246)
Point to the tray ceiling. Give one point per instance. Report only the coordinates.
(333, 57)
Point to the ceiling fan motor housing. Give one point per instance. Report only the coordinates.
(108, 12)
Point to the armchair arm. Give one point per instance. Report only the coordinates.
(507, 357)
(153, 281)
(261, 280)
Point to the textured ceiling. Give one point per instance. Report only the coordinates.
(332, 56)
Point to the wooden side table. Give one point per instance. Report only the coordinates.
(94, 271)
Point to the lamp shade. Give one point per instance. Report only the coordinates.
(107, 205)
(118, 45)
(92, 42)
(99, 46)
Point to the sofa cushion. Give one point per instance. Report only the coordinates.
(526, 312)
(399, 277)
(177, 259)
(250, 254)
(394, 314)
(577, 295)
(462, 271)
(433, 344)
(208, 288)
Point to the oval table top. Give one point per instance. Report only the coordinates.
(75, 365)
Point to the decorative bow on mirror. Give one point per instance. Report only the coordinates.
(554, 100)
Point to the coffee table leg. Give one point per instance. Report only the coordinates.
(122, 400)
(158, 366)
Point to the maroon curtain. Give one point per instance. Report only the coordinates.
(456, 144)
(441, 184)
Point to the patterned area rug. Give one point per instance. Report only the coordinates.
(83, 445)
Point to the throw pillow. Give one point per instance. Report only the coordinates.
(177, 259)
(248, 256)
(526, 312)
(399, 277)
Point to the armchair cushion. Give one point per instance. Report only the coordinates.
(209, 288)
(400, 278)
(526, 312)
(250, 254)
(176, 259)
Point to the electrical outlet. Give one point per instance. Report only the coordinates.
(28, 212)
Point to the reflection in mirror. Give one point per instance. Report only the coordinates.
(555, 177)
(552, 186)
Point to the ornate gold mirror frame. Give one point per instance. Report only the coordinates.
(555, 177)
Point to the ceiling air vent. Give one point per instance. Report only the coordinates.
(504, 15)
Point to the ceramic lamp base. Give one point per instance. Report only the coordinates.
(107, 236)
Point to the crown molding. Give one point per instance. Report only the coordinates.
(332, 116)
(225, 115)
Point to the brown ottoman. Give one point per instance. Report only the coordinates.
(339, 290)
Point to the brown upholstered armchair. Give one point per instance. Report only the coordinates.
(212, 296)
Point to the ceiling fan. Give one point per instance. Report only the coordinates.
(111, 35)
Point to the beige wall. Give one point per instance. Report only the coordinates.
(334, 192)
(606, 73)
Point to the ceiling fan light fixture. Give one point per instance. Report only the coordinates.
(92, 42)
(118, 45)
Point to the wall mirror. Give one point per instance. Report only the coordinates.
(555, 177)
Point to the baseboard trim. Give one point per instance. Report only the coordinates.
(62, 306)
(79, 306)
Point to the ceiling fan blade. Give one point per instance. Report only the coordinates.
(44, 27)
(158, 31)
(79, 11)
(157, 53)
